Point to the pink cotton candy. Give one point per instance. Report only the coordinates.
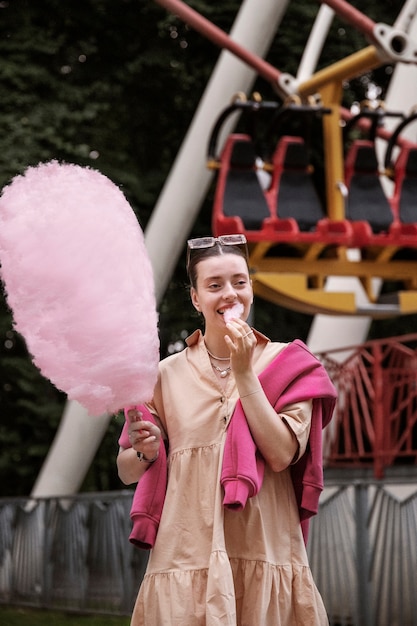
(234, 312)
(80, 285)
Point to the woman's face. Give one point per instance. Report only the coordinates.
(222, 281)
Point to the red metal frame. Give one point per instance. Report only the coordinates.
(375, 420)
(276, 230)
(352, 16)
(202, 25)
(220, 38)
(401, 175)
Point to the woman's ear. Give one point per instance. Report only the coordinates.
(194, 298)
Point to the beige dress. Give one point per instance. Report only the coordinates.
(211, 566)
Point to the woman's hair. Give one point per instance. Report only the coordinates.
(200, 254)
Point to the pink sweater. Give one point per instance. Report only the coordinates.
(293, 376)
(149, 496)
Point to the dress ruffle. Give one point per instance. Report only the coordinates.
(264, 594)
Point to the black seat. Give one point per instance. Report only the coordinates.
(243, 194)
(297, 197)
(366, 199)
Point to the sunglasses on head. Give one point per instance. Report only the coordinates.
(209, 242)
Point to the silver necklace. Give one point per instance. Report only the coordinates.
(223, 373)
(218, 358)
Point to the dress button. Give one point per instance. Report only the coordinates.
(222, 399)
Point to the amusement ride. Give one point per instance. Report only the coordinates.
(297, 238)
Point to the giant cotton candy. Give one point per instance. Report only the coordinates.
(79, 282)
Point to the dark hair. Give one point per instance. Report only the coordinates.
(200, 254)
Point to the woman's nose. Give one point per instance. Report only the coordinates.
(229, 291)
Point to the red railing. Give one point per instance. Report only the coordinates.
(375, 420)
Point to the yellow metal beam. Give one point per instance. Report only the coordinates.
(393, 270)
(407, 302)
(333, 153)
(350, 67)
(291, 291)
(328, 83)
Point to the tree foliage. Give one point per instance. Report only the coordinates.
(114, 85)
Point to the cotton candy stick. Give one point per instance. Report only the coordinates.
(234, 312)
(80, 285)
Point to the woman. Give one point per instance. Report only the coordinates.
(213, 565)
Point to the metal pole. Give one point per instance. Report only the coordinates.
(352, 16)
(382, 441)
(362, 556)
(315, 43)
(220, 38)
(71, 453)
(406, 16)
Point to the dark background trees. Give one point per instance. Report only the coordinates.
(114, 85)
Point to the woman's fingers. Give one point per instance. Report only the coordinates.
(134, 415)
(143, 431)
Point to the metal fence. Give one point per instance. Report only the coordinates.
(73, 553)
(363, 549)
(70, 553)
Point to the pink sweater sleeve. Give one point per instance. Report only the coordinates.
(294, 375)
(149, 496)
